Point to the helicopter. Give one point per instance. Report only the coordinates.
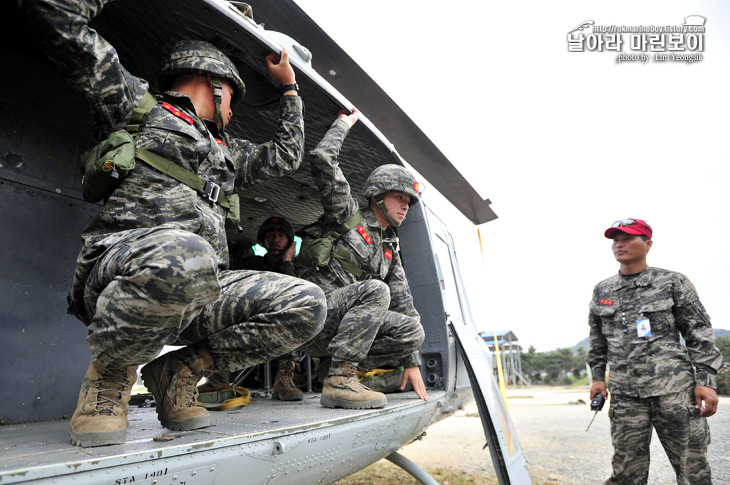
(46, 127)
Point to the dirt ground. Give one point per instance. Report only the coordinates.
(551, 427)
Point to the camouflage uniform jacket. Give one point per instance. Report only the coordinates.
(371, 248)
(657, 364)
(147, 198)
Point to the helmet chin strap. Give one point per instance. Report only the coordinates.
(381, 205)
(217, 96)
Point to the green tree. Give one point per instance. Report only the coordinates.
(723, 343)
(532, 364)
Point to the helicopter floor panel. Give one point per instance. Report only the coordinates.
(35, 445)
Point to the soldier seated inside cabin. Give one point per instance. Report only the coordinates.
(277, 237)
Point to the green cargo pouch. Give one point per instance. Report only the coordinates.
(318, 251)
(105, 165)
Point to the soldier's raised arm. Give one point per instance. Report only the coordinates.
(89, 63)
(337, 201)
(283, 154)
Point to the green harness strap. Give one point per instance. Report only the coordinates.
(341, 254)
(344, 257)
(209, 190)
(145, 106)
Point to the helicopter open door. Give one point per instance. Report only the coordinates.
(507, 457)
(506, 453)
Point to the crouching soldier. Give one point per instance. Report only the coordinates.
(371, 321)
(277, 237)
(152, 269)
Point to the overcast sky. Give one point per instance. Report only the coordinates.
(563, 143)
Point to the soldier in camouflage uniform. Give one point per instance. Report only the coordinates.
(636, 320)
(371, 320)
(277, 237)
(153, 267)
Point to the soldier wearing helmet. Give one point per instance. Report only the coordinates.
(393, 189)
(277, 237)
(153, 268)
(371, 320)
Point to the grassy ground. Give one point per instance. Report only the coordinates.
(386, 473)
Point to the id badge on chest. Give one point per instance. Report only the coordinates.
(643, 327)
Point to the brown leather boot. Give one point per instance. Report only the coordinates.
(217, 382)
(100, 417)
(284, 388)
(174, 386)
(343, 390)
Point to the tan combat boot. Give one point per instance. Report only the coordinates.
(174, 386)
(217, 382)
(284, 388)
(343, 390)
(100, 417)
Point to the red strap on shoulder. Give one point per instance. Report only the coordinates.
(177, 112)
(364, 234)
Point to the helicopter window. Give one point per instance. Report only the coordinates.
(449, 290)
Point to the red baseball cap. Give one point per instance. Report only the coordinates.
(635, 227)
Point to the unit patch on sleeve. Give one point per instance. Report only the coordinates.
(604, 301)
(388, 254)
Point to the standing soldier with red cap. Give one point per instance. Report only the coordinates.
(636, 320)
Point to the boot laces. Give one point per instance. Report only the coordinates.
(355, 384)
(285, 375)
(187, 386)
(352, 381)
(111, 387)
(187, 391)
(285, 379)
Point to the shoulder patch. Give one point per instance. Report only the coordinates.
(388, 254)
(177, 113)
(604, 301)
(220, 142)
(364, 234)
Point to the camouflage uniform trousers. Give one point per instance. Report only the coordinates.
(683, 433)
(161, 287)
(360, 328)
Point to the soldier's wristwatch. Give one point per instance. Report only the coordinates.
(288, 87)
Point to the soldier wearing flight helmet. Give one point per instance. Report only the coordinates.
(153, 267)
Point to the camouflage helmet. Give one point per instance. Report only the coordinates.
(391, 177)
(274, 224)
(199, 57)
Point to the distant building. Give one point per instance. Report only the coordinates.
(510, 354)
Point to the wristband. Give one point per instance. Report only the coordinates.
(288, 87)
